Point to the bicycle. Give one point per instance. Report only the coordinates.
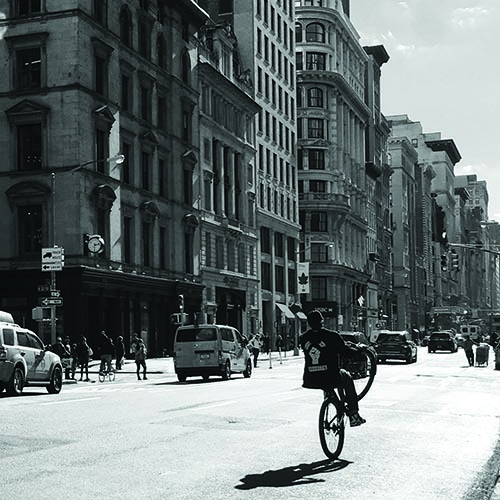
(107, 374)
(332, 413)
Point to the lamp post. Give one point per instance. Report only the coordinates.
(117, 159)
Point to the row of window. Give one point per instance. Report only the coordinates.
(278, 203)
(268, 13)
(221, 253)
(273, 165)
(314, 97)
(279, 278)
(275, 130)
(274, 57)
(273, 92)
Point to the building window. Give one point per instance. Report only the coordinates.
(127, 239)
(146, 243)
(298, 33)
(29, 69)
(161, 52)
(315, 97)
(163, 248)
(29, 146)
(315, 128)
(28, 7)
(185, 67)
(145, 169)
(242, 259)
(318, 288)
(99, 11)
(102, 54)
(298, 61)
(127, 162)
(265, 240)
(188, 186)
(316, 159)
(188, 253)
(145, 102)
(316, 186)
(162, 112)
(145, 39)
(265, 278)
(30, 229)
(318, 222)
(162, 177)
(279, 249)
(315, 32)
(315, 61)
(101, 149)
(319, 252)
(279, 277)
(126, 93)
(126, 26)
(292, 281)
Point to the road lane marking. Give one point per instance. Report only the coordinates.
(68, 401)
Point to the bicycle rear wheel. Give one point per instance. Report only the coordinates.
(102, 376)
(363, 369)
(111, 376)
(331, 428)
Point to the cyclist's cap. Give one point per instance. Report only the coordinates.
(315, 318)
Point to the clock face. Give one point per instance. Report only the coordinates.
(95, 244)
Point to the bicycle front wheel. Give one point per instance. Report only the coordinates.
(331, 428)
(363, 369)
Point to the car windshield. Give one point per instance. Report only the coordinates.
(390, 339)
(196, 335)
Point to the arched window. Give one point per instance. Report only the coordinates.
(126, 26)
(185, 67)
(161, 51)
(314, 97)
(298, 33)
(315, 32)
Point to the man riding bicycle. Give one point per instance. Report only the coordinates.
(322, 350)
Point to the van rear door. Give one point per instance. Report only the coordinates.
(196, 347)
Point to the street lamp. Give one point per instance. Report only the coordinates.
(117, 160)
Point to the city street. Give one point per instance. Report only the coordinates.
(432, 433)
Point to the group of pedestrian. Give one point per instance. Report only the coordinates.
(80, 353)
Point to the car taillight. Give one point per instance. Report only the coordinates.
(3, 353)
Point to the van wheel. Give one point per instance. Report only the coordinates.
(226, 374)
(248, 370)
(16, 382)
(205, 377)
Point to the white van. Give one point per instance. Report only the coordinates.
(204, 350)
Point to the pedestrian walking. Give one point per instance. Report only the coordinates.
(279, 345)
(140, 357)
(60, 349)
(120, 352)
(255, 345)
(83, 355)
(107, 352)
(468, 348)
(265, 343)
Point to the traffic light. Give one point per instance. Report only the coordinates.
(454, 260)
(180, 302)
(444, 262)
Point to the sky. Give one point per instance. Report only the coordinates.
(444, 72)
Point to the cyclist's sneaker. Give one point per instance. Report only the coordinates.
(356, 420)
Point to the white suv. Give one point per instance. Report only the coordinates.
(24, 360)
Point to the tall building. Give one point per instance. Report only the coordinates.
(341, 158)
(265, 33)
(86, 82)
(228, 253)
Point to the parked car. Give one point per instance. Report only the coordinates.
(442, 341)
(205, 350)
(357, 365)
(24, 360)
(396, 345)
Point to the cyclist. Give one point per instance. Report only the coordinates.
(322, 350)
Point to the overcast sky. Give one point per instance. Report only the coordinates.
(444, 71)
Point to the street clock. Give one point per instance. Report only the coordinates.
(95, 244)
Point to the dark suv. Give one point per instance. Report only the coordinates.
(396, 345)
(442, 341)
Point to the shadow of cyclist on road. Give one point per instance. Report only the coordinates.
(291, 476)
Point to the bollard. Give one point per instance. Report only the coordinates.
(497, 358)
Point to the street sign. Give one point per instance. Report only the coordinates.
(52, 302)
(52, 259)
(55, 293)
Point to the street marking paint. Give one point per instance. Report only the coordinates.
(68, 401)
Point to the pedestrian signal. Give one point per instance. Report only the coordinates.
(444, 262)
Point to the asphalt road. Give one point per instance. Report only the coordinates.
(432, 433)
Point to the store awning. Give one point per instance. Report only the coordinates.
(301, 315)
(285, 310)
